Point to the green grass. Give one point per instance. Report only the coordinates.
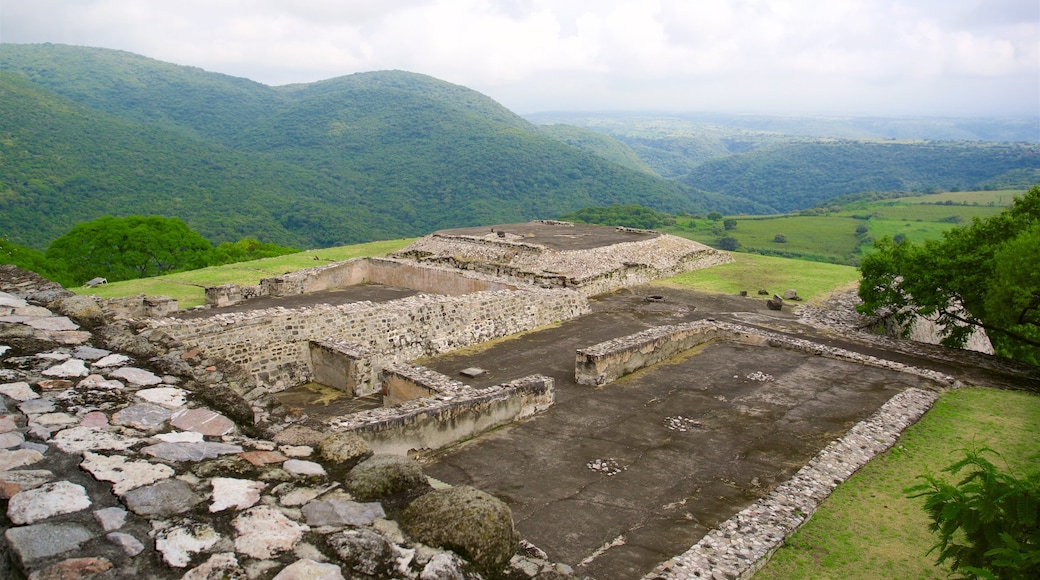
(1001, 197)
(752, 272)
(188, 288)
(869, 529)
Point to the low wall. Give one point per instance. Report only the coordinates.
(434, 422)
(274, 344)
(139, 306)
(404, 382)
(608, 361)
(345, 366)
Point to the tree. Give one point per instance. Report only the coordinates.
(988, 523)
(129, 247)
(862, 229)
(730, 224)
(780, 239)
(979, 276)
(728, 243)
(714, 216)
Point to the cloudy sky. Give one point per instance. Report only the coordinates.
(881, 57)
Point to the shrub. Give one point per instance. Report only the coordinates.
(988, 523)
(730, 224)
(780, 239)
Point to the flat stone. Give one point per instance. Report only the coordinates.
(12, 482)
(259, 458)
(94, 419)
(299, 496)
(79, 439)
(308, 569)
(7, 425)
(124, 474)
(36, 406)
(222, 565)
(73, 569)
(52, 323)
(297, 451)
(136, 376)
(179, 543)
(145, 416)
(299, 435)
(54, 384)
(48, 500)
(112, 360)
(162, 499)
(69, 337)
(304, 468)
(169, 397)
(53, 356)
(472, 372)
(69, 369)
(11, 439)
(54, 420)
(36, 542)
(131, 546)
(202, 421)
(20, 391)
(337, 512)
(180, 437)
(110, 518)
(263, 531)
(10, 459)
(12, 301)
(190, 451)
(90, 353)
(240, 494)
(99, 382)
(42, 448)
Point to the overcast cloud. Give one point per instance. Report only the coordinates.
(886, 57)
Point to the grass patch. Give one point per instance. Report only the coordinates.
(752, 272)
(188, 288)
(869, 529)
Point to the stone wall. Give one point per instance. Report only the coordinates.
(139, 306)
(344, 365)
(274, 344)
(434, 422)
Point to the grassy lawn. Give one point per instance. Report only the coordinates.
(868, 529)
(752, 271)
(189, 287)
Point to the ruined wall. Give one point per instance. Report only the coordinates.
(273, 344)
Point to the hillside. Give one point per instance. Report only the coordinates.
(86, 132)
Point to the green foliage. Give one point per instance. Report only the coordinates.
(632, 216)
(729, 224)
(728, 243)
(988, 523)
(780, 238)
(34, 261)
(714, 216)
(982, 275)
(245, 250)
(130, 247)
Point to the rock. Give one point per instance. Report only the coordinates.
(234, 493)
(297, 451)
(36, 542)
(73, 569)
(71, 368)
(299, 435)
(131, 546)
(791, 295)
(144, 417)
(85, 309)
(363, 551)
(79, 439)
(11, 439)
(110, 518)
(443, 566)
(49, 500)
(263, 531)
(344, 450)
(125, 475)
(383, 476)
(54, 384)
(310, 570)
(202, 421)
(222, 566)
(190, 451)
(12, 482)
(228, 402)
(162, 499)
(775, 303)
(180, 437)
(336, 512)
(763, 292)
(177, 544)
(20, 391)
(169, 397)
(57, 323)
(466, 520)
(10, 459)
(99, 382)
(112, 360)
(304, 468)
(90, 353)
(94, 419)
(53, 420)
(36, 406)
(259, 458)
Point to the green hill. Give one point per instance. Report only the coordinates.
(86, 132)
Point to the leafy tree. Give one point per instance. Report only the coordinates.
(247, 249)
(714, 216)
(983, 275)
(729, 224)
(728, 243)
(33, 260)
(129, 247)
(862, 229)
(780, 238)
(988, 523)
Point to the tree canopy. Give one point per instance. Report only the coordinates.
(983, 275)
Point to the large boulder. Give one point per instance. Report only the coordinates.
(386, 477)
(86, 310)
(343, 451)
(465, 520)
(363, 551)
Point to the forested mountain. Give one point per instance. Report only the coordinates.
(86, 132)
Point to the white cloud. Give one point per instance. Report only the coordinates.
(870, 56)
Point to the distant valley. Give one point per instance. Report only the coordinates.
(86, 132)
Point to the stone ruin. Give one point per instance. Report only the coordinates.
(213, 475)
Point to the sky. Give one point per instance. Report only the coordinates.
(792, 57)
